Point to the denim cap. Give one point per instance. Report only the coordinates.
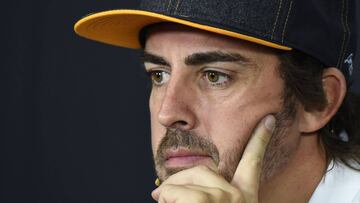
(328, 30)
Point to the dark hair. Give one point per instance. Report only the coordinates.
(303, 82)
(302, 75)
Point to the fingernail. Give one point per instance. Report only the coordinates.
(270, 123)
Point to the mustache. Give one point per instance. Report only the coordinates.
(175, 138)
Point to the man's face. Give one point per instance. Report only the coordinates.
(209, 92)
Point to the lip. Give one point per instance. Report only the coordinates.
(185, 158)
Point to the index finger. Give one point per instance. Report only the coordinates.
(247, 174)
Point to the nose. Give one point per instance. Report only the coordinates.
(177, 107)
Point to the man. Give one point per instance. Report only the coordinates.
(231, 78)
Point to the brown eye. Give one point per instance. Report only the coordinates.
(216, 78)
(159, 77)
(212, 76)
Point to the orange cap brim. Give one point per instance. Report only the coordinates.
(122, 28)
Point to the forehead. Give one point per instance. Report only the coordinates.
(175, 36)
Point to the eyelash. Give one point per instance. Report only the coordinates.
(205, 75)
(219, 74)
(151, 74)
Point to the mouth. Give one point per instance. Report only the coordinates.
(186, 158)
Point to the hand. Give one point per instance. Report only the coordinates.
(202, 185)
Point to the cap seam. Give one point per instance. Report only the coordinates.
(168, 6)
(344, 34)
(177, 6)
(286, 21)
(348, 33)
(276, 19)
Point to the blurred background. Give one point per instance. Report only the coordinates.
(74, 113)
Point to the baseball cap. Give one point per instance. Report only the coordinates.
(328, 30)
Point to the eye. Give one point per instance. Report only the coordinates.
(159, 77)
(216, 78)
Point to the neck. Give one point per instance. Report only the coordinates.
(302, 174)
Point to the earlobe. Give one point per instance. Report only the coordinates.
(334, 86)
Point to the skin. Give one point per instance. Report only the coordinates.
(228, 114)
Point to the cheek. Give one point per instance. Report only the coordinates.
(230, 130)
(230, 123)
(157, 131)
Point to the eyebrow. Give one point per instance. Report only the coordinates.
(214, 56)
(197, 58)
(147, 57)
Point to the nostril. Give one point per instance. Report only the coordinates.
(180, 124)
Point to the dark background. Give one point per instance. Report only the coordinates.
(75, 121)
(74, 114)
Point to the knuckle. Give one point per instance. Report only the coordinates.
(237, 198)
(256, 161)
(203, 198)
(252, 160)
(232, 196)
(167, 189)
(218, 192)
(198, 196)
(221, 195)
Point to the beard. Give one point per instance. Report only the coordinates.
(276, 155)
(176, 138)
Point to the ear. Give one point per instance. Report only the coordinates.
(334, 85)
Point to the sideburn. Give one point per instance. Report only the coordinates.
(276, 154)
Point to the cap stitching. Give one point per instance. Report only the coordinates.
(347, 31)
(177, 6)
(168, 7)
(344, 29)
(276, 19)
(287, 18)
(182, 15)
(248, 29)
